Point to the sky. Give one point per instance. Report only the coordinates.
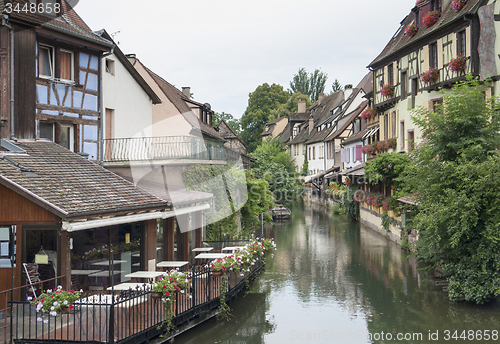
(224, 49)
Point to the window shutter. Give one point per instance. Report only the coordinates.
(358, 152)
(343, 155)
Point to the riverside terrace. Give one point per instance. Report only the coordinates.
(127, 316)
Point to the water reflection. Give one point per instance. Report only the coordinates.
(335, 281)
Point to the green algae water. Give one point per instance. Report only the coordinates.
(335, 281)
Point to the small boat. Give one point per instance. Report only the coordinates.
(280, 212)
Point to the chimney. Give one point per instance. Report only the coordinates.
(311, 123)
(320, 97)
(301, 106)
(187, 92)
(347, 91)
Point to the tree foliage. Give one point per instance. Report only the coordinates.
(456, 181)
(386, 167)
(277, 167)
(260, 103)
(336, 86)
(260, 199)
(234, 123)
(311, 84)
(291, 106)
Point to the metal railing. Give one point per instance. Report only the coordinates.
(162, 148)
(132, 316)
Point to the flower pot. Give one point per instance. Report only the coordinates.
(156, 295)
(217, 273)
(65, 310)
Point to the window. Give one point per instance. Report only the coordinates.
(414, 90)
(393, 125)
(348, 155)
(110, 68)
(309, 156)
(66, 65)
(67, 137)
(402, 133)
(461, 43)
(436, 5)
(386, 126)
(45, 61)
(47, 131)
(390, 74)
(314, 153)
(403, 85)
(433, 55)
(411, 140)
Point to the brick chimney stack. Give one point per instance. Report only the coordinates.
(301, 106)
(311, 123)
(347, 91)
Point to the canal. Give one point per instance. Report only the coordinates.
(335, 281)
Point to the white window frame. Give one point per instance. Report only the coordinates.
(51, 58)
(72, 64)
(71, 136)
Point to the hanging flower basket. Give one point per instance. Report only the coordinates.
(368, 113)
(387, 90)
(429, 76)
(430, 18)
(458, 4)
(411, 30)
(458, 64)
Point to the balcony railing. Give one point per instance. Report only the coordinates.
(162, 148)
(129, 317)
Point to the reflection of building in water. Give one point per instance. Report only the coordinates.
(248, 324)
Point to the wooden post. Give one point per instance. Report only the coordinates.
(198, 223)
(182, 241)
(168, 238)
(149, 240)
(65, 259)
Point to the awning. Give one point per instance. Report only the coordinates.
(118, 220)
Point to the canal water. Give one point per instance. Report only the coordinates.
(334, 281)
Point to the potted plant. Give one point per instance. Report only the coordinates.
(430, 18)
(368, 113)
(387, 90)
(168, 286)
(429, 76)
(54, 302)
(411, 30)
(458, 64)
(458, 4)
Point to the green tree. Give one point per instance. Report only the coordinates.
(234, 123)
(336, 86)
(277, 167)
(260, 199)
(311, 84)
(260, 103)
(455, 180)
(386, 167)
(291, 106)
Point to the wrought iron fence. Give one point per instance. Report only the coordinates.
(163, 148)
(132, 316)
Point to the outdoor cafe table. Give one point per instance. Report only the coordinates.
(128, 285)
(150, 275)
(106, 262)
(202, 249)
(83, 272)
(171, 264)
(233, 248)
(212, 255)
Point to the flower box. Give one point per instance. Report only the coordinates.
(54, 302)
(458, 64)
(368, 113)
(387, 90)
(429, 76)
(411, 30)
(458, 4)
(430, 18)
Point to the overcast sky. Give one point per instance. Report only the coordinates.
(224, 49)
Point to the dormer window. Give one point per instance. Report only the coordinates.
(436, 5)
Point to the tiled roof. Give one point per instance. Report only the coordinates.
(400, 40)
(354, 114)
(177, 98)
(355, 137)
(174, 194)
(70, 185)
(284, 136)
(366, 84)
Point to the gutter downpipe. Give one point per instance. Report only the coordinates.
(11, 29)
(101, 95)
